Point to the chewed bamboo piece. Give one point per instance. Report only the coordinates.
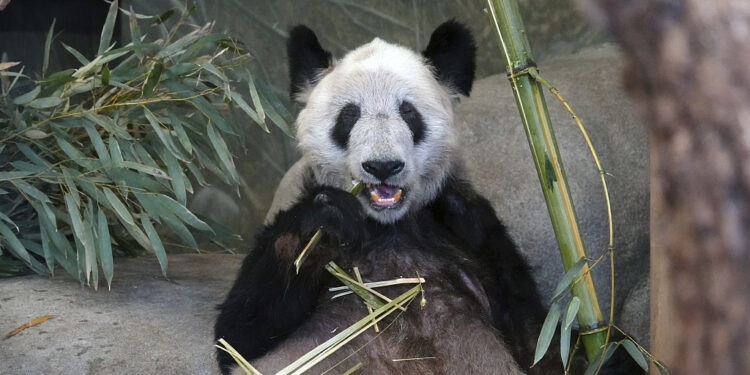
(376, 284)
(319, 234)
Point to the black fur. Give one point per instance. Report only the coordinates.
(345, 121)
(413, 119)
(306, 58)
(268, 302)
(452, 53)
(458, 232)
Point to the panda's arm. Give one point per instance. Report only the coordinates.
(515, 303)
(268, 300)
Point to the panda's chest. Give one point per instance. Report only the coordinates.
(450, 333)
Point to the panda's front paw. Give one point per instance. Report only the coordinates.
(339, 213)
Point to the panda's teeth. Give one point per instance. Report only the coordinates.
(397, 196)
(374, 196)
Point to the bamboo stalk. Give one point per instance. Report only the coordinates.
(506, 18)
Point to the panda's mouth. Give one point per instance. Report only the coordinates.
(384, 196)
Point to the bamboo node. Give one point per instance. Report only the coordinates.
(601, 328)
(521, 69)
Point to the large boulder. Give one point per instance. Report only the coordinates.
(497, 156)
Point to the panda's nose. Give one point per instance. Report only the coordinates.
(382, 169)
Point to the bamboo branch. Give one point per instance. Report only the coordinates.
(507, 21)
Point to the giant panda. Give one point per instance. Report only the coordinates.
(383, 115)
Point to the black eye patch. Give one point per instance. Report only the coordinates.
(345, 121)
(413, 119)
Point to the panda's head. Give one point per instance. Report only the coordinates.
(382, 114)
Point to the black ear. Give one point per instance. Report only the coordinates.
(306, 58)
(452, 53)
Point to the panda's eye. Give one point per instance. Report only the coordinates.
(344, 124)
(413, 119)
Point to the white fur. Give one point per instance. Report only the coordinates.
(378, 76)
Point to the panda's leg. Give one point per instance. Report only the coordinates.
(517, 310)
(268, 300)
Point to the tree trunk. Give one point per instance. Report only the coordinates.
(688, 71)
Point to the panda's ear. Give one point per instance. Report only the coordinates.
(452, 53)
(306, 60)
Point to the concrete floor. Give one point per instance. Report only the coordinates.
(144, 325)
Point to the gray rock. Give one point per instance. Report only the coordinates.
(144, 325)
(499, 162)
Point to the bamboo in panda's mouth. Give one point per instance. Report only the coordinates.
(384, 195)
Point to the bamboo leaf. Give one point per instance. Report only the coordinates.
(82, 233)
(114, 151)
(157, 210)
(153, 79)
(109, 125)
(237, 98)
(105, 75)
(11, 242)
(47, 45)
(191, 51)
(635, 353)
(163, 17)
(597, 363)
(88, 217)
(203, 105)
(70, 184)
(121, 210)
(98, 143)
(31, 155)
(165, 138)
(32, 191)
(79, 56)
(48, 102)
(72, 152)
(13, 175)
(156, 172)
(256, 101)
(548, 330)
(8, 65)
(26, 166)
(181, 212)
(564, 343)
(158, 248)
(135, 32)
(6, 219)
(104, 247)
(572, 273)
(180, 131)
(49, 256)
(35, 134)
(222, 151)
(138, 235)
(109, 27)
(572, 310)
(28, 97)
(175, 172)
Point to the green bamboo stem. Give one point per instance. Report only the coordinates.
(508, 23)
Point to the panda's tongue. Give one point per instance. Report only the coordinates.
(384, 195)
